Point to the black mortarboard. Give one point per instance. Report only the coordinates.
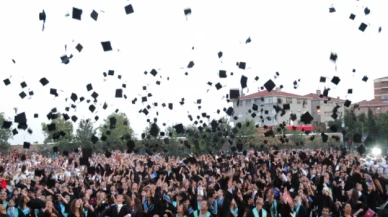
(220, 54)
(153, 72)
(362, 27)
(42, 16)
(74, 97)
(222, 74)
(94, 139)
(119, 93)
(187, 11)
(7, 124)
(361, 149)
(322, 79)
(129, 9)
(333, 57)
(352, 16)
(243, 81)
(53, 91)
(84, 161)
(332, 10)
(111, 72)
(26, 145)
(347, 103)
(79, 47)
(66, 117)
(333, 128)
(94, 95)
(22, 95)
(74, 118)
(51, 127)
(242, 65)
(269, 85)
(365, 78)
(170, 106)
(14, 131)
(286, 106)
(350, 91)
(77, 13)
(106, 46)
(89, 87)
(367, 11)
(190, 65)
(234, 94)
(218, 86)
(335, 80)
(21, 118)
(325, 137)
(23, 84)
(306, 118)
(92, 108)
(179, 128)
(94, 15)
(31, 93)
(7, 82)
(44, 81)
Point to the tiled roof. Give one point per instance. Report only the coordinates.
(316, 97)
(265, 93)
(373, 102)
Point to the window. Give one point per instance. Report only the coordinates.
(289, 100)
(269, 100)
(248, 103)
(384, 98)
(280, 101)
(298, 101)
(257, 101)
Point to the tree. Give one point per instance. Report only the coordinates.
(382, 128)
(371, 124)
(61, 136)
(337, 124)
(247, 132)
(351, 123)
(84, 133)
(5, 134)
(117, 130)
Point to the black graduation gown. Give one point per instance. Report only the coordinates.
(112, 211)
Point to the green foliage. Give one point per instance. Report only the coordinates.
(247, 133)
(337, 123)
(352, 125)
(63, 143)
(118, 135)
(84, 133)
(208, 139)
(5, 134)
(371, 126)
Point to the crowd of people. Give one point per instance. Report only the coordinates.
(289, 183)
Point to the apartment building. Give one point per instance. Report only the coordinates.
(322, 109)
(265, 101)
(380, 102)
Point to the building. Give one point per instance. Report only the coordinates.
(380, 102)
(381, 89)
(322, 110)
(265, 101)
(375, 105)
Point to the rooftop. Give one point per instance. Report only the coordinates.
(266, 93)
(316, 97)
(373, 102)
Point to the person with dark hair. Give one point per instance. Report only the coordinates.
(14, 211)
(76, 209)
(137, 208)
(258, 211)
